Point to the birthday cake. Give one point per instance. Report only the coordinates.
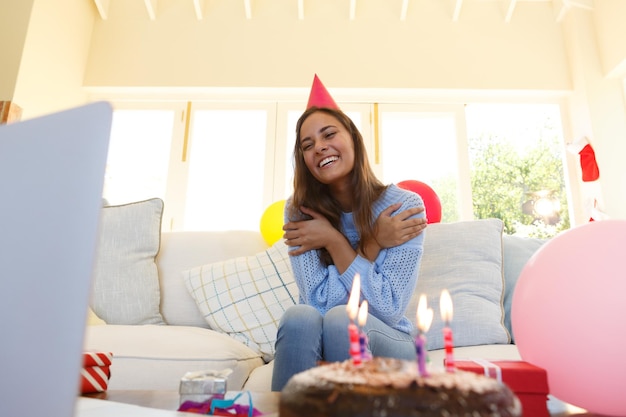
(391, 387)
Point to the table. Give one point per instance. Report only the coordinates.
(266, 402)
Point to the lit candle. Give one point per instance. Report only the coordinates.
(353, 309)
(365, 355)
(445, 304)
(424, 318)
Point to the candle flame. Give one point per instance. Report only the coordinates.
(363, 313)
(424, 317)
(445, 304)
(353, 302)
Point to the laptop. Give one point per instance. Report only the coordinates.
(51, 183)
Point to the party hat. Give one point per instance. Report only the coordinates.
(319, 96)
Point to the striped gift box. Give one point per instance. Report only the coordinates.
(95, 374)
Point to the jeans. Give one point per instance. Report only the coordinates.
(305, 337)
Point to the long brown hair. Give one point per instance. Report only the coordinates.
(311, 193)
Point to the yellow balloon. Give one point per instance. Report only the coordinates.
(272, 222)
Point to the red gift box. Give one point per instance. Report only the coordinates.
(527, 381)
(95, 374)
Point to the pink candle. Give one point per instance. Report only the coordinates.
(447, 341)
(446, 316)
(424, 318)
(353, 331)
(355, 347)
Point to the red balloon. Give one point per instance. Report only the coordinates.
(430, 197)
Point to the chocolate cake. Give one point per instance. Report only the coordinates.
(386, 387)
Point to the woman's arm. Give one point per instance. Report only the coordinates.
(390, 230)
(319, 285)
(318, 233)
(389, 281)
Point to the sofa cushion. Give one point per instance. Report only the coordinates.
(126, 281)
(93, 319)
(154, 357)
(245, 297)
(517, 251)
(183, 250)
(466, 258)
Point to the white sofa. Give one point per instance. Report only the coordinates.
(156, 356)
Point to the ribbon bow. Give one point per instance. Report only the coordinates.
(222, 407)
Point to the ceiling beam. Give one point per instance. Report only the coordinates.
(560, 9)
(583, 4)
(103, 8)
(457, 4)
(199, 6)
(247, 6)
(405, 9)
(352, 9)
(509, 9)
(301, 9)
(151, 8)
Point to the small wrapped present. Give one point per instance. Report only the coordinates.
(95, 374)
(527, 381)
(201, 386)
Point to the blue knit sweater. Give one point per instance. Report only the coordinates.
(387, 283)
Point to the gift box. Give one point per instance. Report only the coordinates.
(95, 374)
(527, 381)
(201, 386)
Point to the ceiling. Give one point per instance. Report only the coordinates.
(250, 8)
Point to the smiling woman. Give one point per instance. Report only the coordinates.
(341, 223)
(327, 149)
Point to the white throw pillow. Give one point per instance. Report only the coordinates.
(126, 280)
(466, 258)
(245, 297)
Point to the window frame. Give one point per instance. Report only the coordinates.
(278, 105)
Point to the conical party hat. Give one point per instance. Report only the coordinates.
(319, 96)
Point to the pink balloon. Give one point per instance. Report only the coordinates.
(430, 197)
(568, 315)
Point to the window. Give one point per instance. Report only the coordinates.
(139, 150)
(516, 155)
(426, 143)
(226, 164)
(222, 166)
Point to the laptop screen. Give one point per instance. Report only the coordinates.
(51, 182)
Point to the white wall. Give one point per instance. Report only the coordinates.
(13, 28)
(376, 50)
(598, 112)
(55, 53)
(609, 18)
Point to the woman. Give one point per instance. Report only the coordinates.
(331, 234)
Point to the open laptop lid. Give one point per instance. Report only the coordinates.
(51, 183)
